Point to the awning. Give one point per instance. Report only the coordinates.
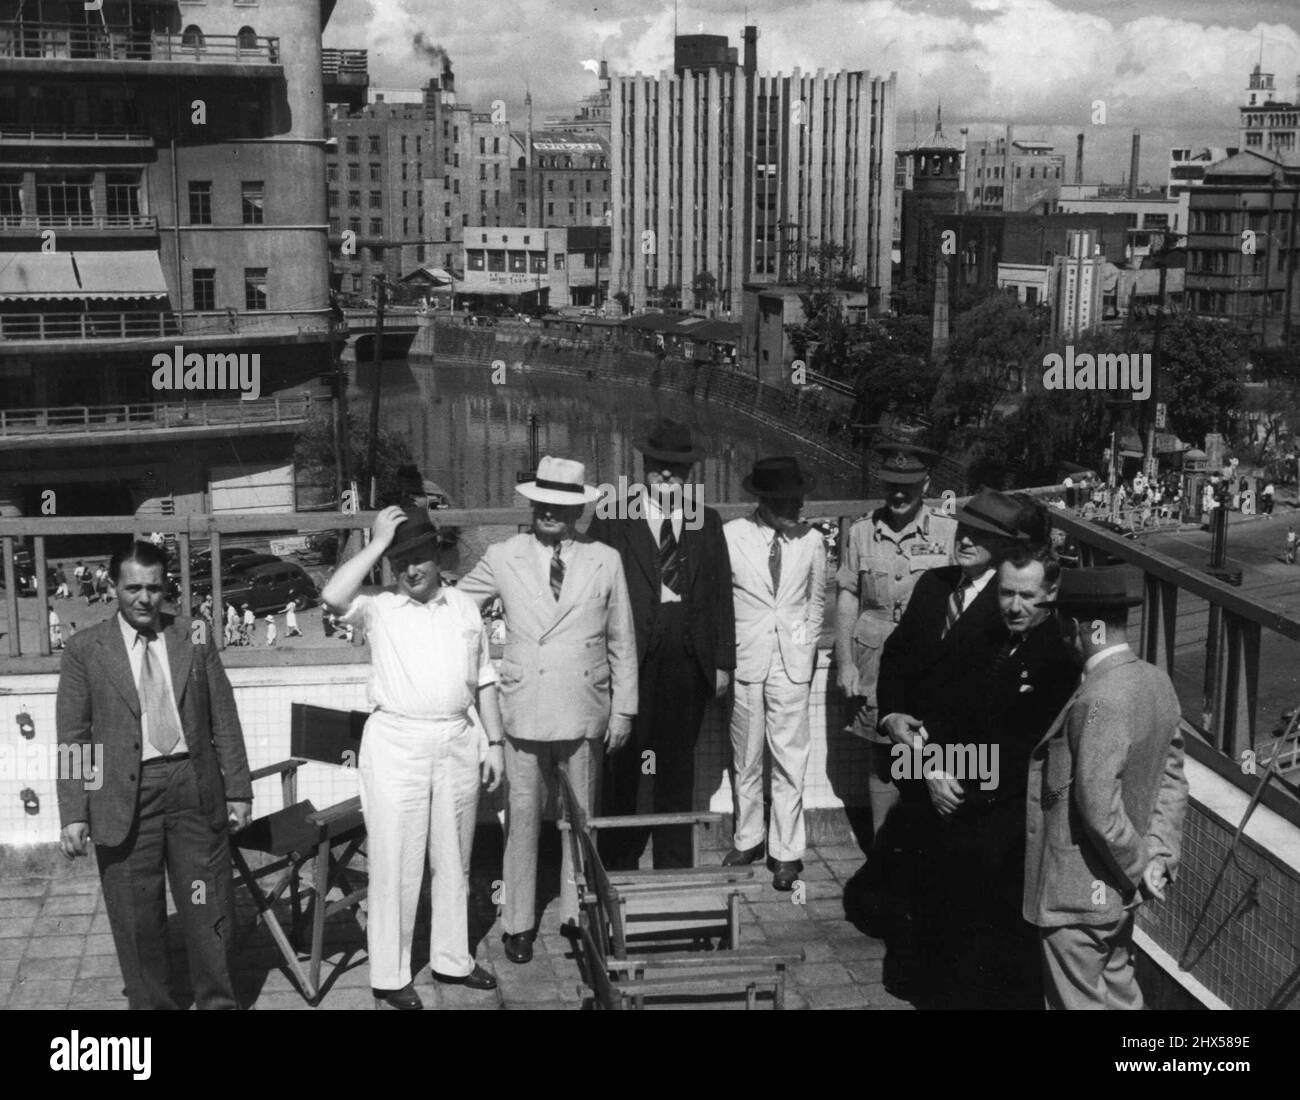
(36, 275)
(119, 275)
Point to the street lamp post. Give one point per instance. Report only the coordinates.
(1163, 256)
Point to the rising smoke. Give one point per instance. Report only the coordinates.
(431, 51)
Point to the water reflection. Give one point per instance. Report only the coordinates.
(471, 436)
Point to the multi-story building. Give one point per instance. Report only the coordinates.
(162, 184)
(551, 266)
(1243, 235)
(1078, 282)
(379, 158)
(1187, 167)
(592, 114)
(1269, 125)
(933, 178)
(561, 178)
(719, 170)
(1013, 175)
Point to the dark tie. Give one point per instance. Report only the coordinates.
(164, 733)
(670, 564)
(557, 573)
(1004, 655)
(954, 606)
(774, 563)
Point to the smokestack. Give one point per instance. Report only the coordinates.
(448, 77)
(1078, 160)
(751, 50)
(1133, 164)
(604, 69)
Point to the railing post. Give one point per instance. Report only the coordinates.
(42, 597)
(183, 548)
(11, 598)
(1241, 685)
(218, 604)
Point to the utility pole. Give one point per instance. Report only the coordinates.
(381, 290)
(1149, 409)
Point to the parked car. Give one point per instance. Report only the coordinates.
(201, 583)
(270, 587)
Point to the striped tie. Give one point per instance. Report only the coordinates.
(164, 733)
(669, 557)
(774, 563)
(557, 573)
(955, 602)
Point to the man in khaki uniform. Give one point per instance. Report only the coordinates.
(886, 554)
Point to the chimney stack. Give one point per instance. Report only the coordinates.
(1133, 164)
(751, 50)
(1078, 161)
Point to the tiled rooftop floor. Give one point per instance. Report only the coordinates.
(56, 951)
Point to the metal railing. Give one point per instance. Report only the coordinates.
(72, 134)
(335, 63)
(126, 325)
(77, 42)
(147, 222)
(173, 414)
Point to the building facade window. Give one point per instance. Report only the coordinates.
(255, 288)
(204, 282)
(374, 145)
(332, 173)
(354, 200)
(252, 202)
(354, 173)
(376, 227)
(377, 172)
(122, 191)
(200, 202)
(352, 145)
(376, 200)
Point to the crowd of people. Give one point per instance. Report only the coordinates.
(958, 635)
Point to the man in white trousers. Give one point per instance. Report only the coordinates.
(420, 752)
(778, 574)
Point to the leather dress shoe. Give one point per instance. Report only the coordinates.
(519, 946)
(405, 999)
(737, 858)
(786, 873)
(478, 978)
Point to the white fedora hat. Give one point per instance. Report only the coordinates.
(559, 481)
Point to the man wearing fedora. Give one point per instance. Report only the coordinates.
(420, 754)
(778, 577)
(1105, 804)
(887, 553)
(568, 675)
(679, 581)
(951, 628)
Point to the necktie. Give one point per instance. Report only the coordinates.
(774, 563)
(557, 573)
(669, 557)
(164, 733)
(955, 602)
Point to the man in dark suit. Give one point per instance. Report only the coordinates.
(679, 580)
(151, 695)
(949, 635)
(994, 720)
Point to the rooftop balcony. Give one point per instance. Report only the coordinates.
(45, 47)
(98, 223)
(16, 134)
(346, 76)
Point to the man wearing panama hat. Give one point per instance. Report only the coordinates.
(1105, 802)
(420, 756)
(568, 675)
(679, 580)
(778, 574)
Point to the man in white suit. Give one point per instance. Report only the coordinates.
(778, 575)
(568, 684)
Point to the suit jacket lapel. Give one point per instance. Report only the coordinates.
(180, 656)
(644, 550)
(577, 575)
(117, 665)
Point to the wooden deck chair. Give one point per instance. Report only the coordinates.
(617, 984)
(298, 835)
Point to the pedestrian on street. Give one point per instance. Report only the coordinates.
(1290, 544)
(249, 625)
(291, 621)
(271, 633)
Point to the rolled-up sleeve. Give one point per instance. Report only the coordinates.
(358, 612)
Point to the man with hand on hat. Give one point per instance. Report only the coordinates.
(1105, 805)
(679, 581)
(420, 753)
(778, 575)
(887, 553)
(568, 675)
(951, 629)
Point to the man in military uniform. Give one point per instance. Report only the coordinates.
(887, 552)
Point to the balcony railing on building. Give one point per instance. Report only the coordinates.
(77, 42)
(75, 419)
(343, 63)
(73, 135)
(141, 324)
(100, 222)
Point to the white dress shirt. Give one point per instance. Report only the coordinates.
(426, 659)
(135, 643)
(654, 516)
(1096, 659)
(972, 590)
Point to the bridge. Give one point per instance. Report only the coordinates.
(1226, 936)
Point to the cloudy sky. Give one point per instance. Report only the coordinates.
(1175, 69)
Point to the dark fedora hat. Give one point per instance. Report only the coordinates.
(669, 441)
(992, 512)
(903, 463)
(417, 532)
(778, 477)
(1094, 591)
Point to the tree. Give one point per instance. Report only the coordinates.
(670, 295)
(1202, 365)
(314, 450)
(705, 289)
(624, 299)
